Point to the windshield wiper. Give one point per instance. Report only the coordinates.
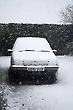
(35, 50)
(29, 50)
(26, 50)
(44, 51)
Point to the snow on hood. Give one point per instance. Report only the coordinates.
(29, 58)
(34, 55)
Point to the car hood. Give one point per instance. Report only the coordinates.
(29, 57)
(34, 55)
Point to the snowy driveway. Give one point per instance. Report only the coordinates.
(57, 96)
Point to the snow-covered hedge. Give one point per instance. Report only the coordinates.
(59, 36)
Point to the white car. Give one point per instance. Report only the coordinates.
(32, 54)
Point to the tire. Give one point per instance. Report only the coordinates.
(11, 75)
(53, 78)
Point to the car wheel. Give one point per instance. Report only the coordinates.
(11, 75)
(53, 78)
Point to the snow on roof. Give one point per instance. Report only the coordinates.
(31, 43)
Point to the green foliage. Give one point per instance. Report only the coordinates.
(57, 35)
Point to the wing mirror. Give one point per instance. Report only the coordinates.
(10, 50)
(54, 50)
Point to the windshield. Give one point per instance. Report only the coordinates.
(31, 44)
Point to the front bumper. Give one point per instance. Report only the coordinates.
(35, 68)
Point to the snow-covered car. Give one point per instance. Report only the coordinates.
(32, 54)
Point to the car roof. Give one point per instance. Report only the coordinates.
(30, 38)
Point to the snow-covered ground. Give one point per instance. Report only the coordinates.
(4, 62)
(57, 96)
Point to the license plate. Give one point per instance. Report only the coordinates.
(35, 69)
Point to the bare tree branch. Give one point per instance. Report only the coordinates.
(67, 14)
